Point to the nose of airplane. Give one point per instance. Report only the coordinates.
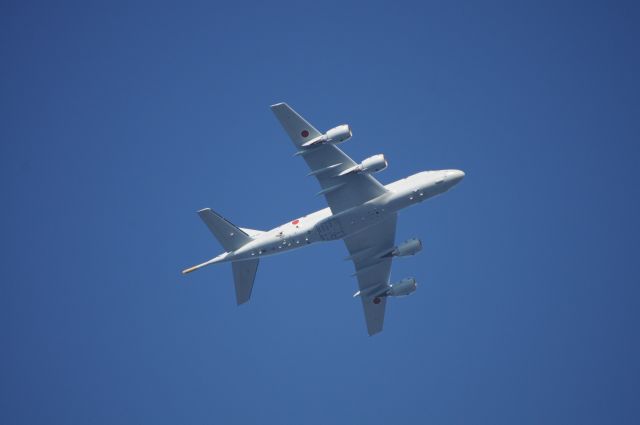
(454, 176)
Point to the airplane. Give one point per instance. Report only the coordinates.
(362, 212)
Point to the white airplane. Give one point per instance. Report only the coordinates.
(361, 211)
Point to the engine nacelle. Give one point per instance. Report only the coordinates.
(409, 247)
(405, 287)
(336, 135)
(373, 164)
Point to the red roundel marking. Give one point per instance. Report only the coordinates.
(304, 133)
(295, 222)
(377, 300)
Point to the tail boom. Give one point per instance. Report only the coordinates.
(219, 259)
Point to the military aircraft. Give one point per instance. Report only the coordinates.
(361, 211)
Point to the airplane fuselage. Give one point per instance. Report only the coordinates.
(362, 212)
(323, 226)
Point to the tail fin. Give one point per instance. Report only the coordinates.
(229, 236)
(244, 273)
(298, 129)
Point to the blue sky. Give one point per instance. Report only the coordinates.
(120, 120)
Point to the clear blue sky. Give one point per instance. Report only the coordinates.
(120, 120)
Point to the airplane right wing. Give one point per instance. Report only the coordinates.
(373, 270)
(326, 162)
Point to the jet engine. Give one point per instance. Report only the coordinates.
(336, 135)
(371, 165)
(405, 287)
(399, 289)
(409, 247)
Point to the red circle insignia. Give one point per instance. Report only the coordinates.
(304, 133)
(295, 222)
(377, 300)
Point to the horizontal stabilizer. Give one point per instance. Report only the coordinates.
(230, 237)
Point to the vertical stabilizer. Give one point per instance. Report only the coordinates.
(244, 273)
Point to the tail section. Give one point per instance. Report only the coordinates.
(229, 236)
(244, 273)
(217, 259)
(252, 232)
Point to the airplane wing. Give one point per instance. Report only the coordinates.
(371, 270)
(326, 161)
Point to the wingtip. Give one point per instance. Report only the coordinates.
(275, 105)
(373, 332)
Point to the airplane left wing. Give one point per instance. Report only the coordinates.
(366, 250)
(326, 162)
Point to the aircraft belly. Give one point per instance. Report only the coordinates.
(330, 229)
(347, 224)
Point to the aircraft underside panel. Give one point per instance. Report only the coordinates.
(330, 230)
